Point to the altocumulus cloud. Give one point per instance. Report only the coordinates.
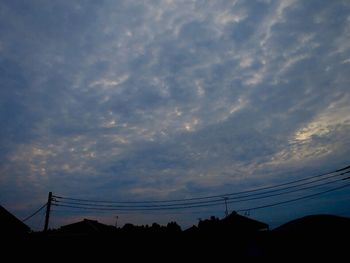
(169, 99)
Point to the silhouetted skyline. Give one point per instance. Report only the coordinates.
(321, 235)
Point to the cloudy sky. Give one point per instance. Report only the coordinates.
(163, 99)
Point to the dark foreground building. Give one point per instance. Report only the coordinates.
(11, 226)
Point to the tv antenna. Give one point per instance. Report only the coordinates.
(116, 221)
(226, 211)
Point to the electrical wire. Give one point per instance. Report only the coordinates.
(201, 205)
(237, 199)
(293, 200)
(41, 219)
(37, 211)
(264, 194)
(212, 196)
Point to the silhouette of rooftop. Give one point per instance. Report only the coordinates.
(314, 223)
(86, 226)
(234, 223)
(9, 224)
(244, 223)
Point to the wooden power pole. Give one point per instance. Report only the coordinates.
(48, 208)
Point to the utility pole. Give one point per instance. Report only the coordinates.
(48, 207)
(226, 211)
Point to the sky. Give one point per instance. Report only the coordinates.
(156, 100)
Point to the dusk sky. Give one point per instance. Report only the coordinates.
(171, 99)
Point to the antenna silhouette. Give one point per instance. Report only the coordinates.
(116, 221)
(226, 211)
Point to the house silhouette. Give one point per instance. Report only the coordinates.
(322, 235)
(86, 226)
(232, 223)
(11, 225)
(240, 223)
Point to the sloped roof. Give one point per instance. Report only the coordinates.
(191, 229)
(9, 224)
(242, 222)
(86, 226)
(316, 223)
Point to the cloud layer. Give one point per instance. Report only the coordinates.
(161, 99)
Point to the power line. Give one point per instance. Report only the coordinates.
(217, 200)
(200, 205)
(288, 192)
(295, 199)
(37, 211)
(41, 219)
(208, 197)
(343, 169)
(89, 212)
